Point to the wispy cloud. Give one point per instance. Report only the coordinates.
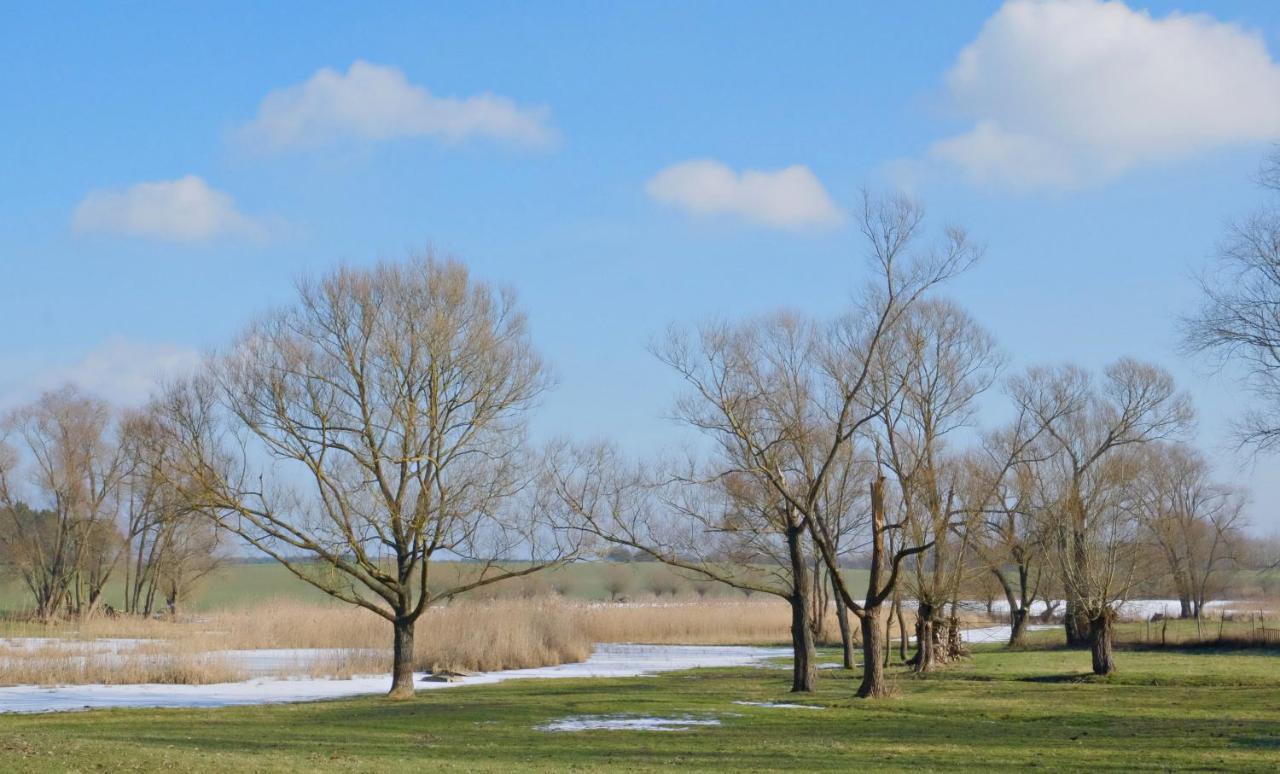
(792, 198)
(182, 210)
(371, 102)
(121, 370)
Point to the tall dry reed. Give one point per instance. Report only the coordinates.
(343, 641)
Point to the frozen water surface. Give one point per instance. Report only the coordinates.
(615, 660)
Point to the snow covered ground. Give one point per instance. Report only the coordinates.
(606, 661)
(997, 634)
(1135, 609)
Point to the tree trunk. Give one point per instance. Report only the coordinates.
(888, 636)
(955, 639)
(873, 685)
(902, 629)
(1018, 627)
(1185, 610)
(927, 656)
(1100, 637)
(1077, 625)
(804, 672)
(402, 661)
(846, 631)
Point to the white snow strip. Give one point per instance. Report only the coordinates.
(624, 723)
(996, 633)
(275, 661)
(778, 705)
(1139, 609)
(101, 645)
(617, 660)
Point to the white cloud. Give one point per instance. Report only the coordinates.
(1071, 92)
(182, 210)
(790, 198)
(374, 102)
(121, 370)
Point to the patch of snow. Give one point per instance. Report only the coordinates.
(1140, 609)
(102, 645)
(996, 633)
(275, 661)
(778, 705)
(625, 723)
(613, 660)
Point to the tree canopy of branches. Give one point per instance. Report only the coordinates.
(168, 546)
(372, 426)
(925, 383)
(1092, 431)
(1238, 321)
(782, 401)
(1194, 522)
(61, 468)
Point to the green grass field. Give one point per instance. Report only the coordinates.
(998, 711)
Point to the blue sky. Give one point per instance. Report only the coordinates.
(1096, 150)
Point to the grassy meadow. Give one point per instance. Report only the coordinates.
(999, 710)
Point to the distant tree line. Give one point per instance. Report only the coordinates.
(85, 498)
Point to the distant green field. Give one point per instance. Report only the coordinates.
(239, 584)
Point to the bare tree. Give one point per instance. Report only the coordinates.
(1194, 522)
(1092, 429)
(937, 361)
(1238, 321)
(1011, 542)
(374, 425)
(1000, 486)
(785, 410)
(618, 579)
(711, 521)
(63, 460)
(168, 546)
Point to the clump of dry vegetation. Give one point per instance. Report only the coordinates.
(339, 641)
(61, 662)
(763, 621)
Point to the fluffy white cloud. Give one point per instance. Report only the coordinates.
(121, 370)
(1071, 92)
(790, 198)
(182, 210)
(373, 102)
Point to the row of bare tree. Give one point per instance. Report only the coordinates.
(377, 424)
(85, 496)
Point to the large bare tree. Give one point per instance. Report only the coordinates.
(712, 519)
(1238, 321)
(925, 385)
(373, 426)
(787, 409)
(1093, 428)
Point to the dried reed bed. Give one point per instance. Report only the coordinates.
(76, 663)
(341, 641)
(473, 636)
(758, 622)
